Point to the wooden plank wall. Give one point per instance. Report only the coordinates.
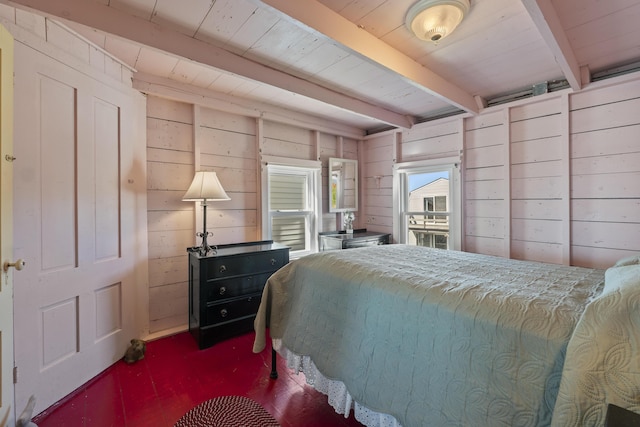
(554, 178)
(170, 169)
(183, 138)
(438, 140)
(538, 199)
(521, 163)
(605, 174)
(226, 143)
(485, 175)
(376, 184)
(283, 140)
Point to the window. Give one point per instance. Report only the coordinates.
(291, 207)
(427, 204)
(436, 204)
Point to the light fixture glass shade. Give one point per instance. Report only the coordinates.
(433, 20)
(205, 186)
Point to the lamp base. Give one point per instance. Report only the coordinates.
(205, 249)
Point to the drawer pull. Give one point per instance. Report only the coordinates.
(223, 268)
(224, 312)
(273, 261)
(223, 290)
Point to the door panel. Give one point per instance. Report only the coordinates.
(74, 207)
(7, 407)
(57, 183)
(107, 178)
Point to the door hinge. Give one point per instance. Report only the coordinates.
(15, 375)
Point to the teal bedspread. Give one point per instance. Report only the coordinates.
(438, 338)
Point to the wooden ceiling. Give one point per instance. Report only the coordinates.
(354, 61)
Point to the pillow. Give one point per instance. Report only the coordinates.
(623, 276)
(634, 259)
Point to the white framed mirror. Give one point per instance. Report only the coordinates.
(343, 185)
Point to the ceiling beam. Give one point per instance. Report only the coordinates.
(141, 31)
(546, 20)
(324, 20)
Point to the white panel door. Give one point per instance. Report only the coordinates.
(74, 223)
(7, 408)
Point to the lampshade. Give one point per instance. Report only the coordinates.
(205, 186)
(433, 20)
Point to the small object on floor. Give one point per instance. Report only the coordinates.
(24, 420)
(135, 351)
(228, 411)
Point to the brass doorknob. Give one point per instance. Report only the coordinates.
(18, 265)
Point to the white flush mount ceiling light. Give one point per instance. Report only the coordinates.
(433, 20)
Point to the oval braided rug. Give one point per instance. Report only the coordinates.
(227, 411)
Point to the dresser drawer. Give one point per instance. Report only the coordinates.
(249, 263)
(232, 309)
(221, 289)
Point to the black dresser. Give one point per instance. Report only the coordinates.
(333, 240)
(620, 417)
(225, 288)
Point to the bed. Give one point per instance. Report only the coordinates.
(412, 336)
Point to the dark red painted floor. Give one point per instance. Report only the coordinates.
(175, 376)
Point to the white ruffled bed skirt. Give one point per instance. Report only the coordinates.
(336, 392)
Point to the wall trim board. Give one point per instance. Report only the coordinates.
(260, 177)
(315, 136)
(197, 137)
(290, 161)
(461, 178)
(197, 158)
(362, 196)
(506, 138)
(566, 179)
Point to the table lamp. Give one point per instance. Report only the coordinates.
(205, 187)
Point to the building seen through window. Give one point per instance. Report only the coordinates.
(428, 196)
